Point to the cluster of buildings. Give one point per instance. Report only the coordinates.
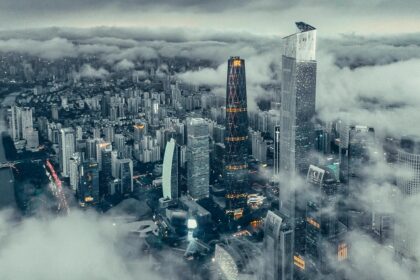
(279, 185)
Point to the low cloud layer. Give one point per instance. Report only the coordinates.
(78, 246)
(365, 79)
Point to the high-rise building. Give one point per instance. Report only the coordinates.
(298, 89)
(298, 99)
(89, 183)
(66, 148)
(361, 140)
(236, 138)
(16, 123)
(408, 182)
(119, 141)
(91, 149)
(140, 129)
(75, 161)
(105, 174)
(126, 175)
(27, 122)
(21, 124)
(276, 150)
(360, 147)
(325, 236)
(170, 171)
(277, 250)
(54, 112)
(198, 162)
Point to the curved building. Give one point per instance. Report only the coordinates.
(170, 171)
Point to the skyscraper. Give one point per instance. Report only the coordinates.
(277, 150)
(408, 182)
(21, 123)
(198, 161)
(236, 137)
(105, 174)
(89, 183)
(170, 171)
(324, 239)
(297, 132)
(75, 161)
(67, 148)
(126, 175)
(277, 253)
(298, 99)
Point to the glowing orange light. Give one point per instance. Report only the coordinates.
(313, 222)
(237, 63)
(139, 126)
(236, 167)
(342, 252)
(235, 110)
(236, 139)
(299, 262)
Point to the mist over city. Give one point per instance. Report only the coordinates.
(218, 140)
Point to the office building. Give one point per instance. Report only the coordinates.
(66, 149)
(325, 235)
(89, 183)
(170, 171)
(276, 156)
(198, 161)
(126, 175)
(298, 99)
(408, 182)
(277, 248)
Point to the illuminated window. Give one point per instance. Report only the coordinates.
(299, 262)
(236, 63)
(312, 222)
(342, 252)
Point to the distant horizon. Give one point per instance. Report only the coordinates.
(265, 17)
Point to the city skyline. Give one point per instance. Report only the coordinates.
(138, 150)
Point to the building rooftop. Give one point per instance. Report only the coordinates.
(303, 27)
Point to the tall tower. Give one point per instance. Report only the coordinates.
(298, 99)
(276, 150)
(170, 171)
(297, 109)
(297, 130)
(67, 148)
(198, 161)
(105, 168)
(126, 175)
(236, 137)
(408, 182)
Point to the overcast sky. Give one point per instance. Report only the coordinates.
(255, 16)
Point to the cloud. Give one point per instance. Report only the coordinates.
(78, 246)
(51, 49)
(87, 71)
(124, 65)
(382, 96)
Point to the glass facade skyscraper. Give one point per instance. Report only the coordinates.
(277, 248)
(298, 99)
(198, 160)
(297, 131)
(236, 138)
(408, 182)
